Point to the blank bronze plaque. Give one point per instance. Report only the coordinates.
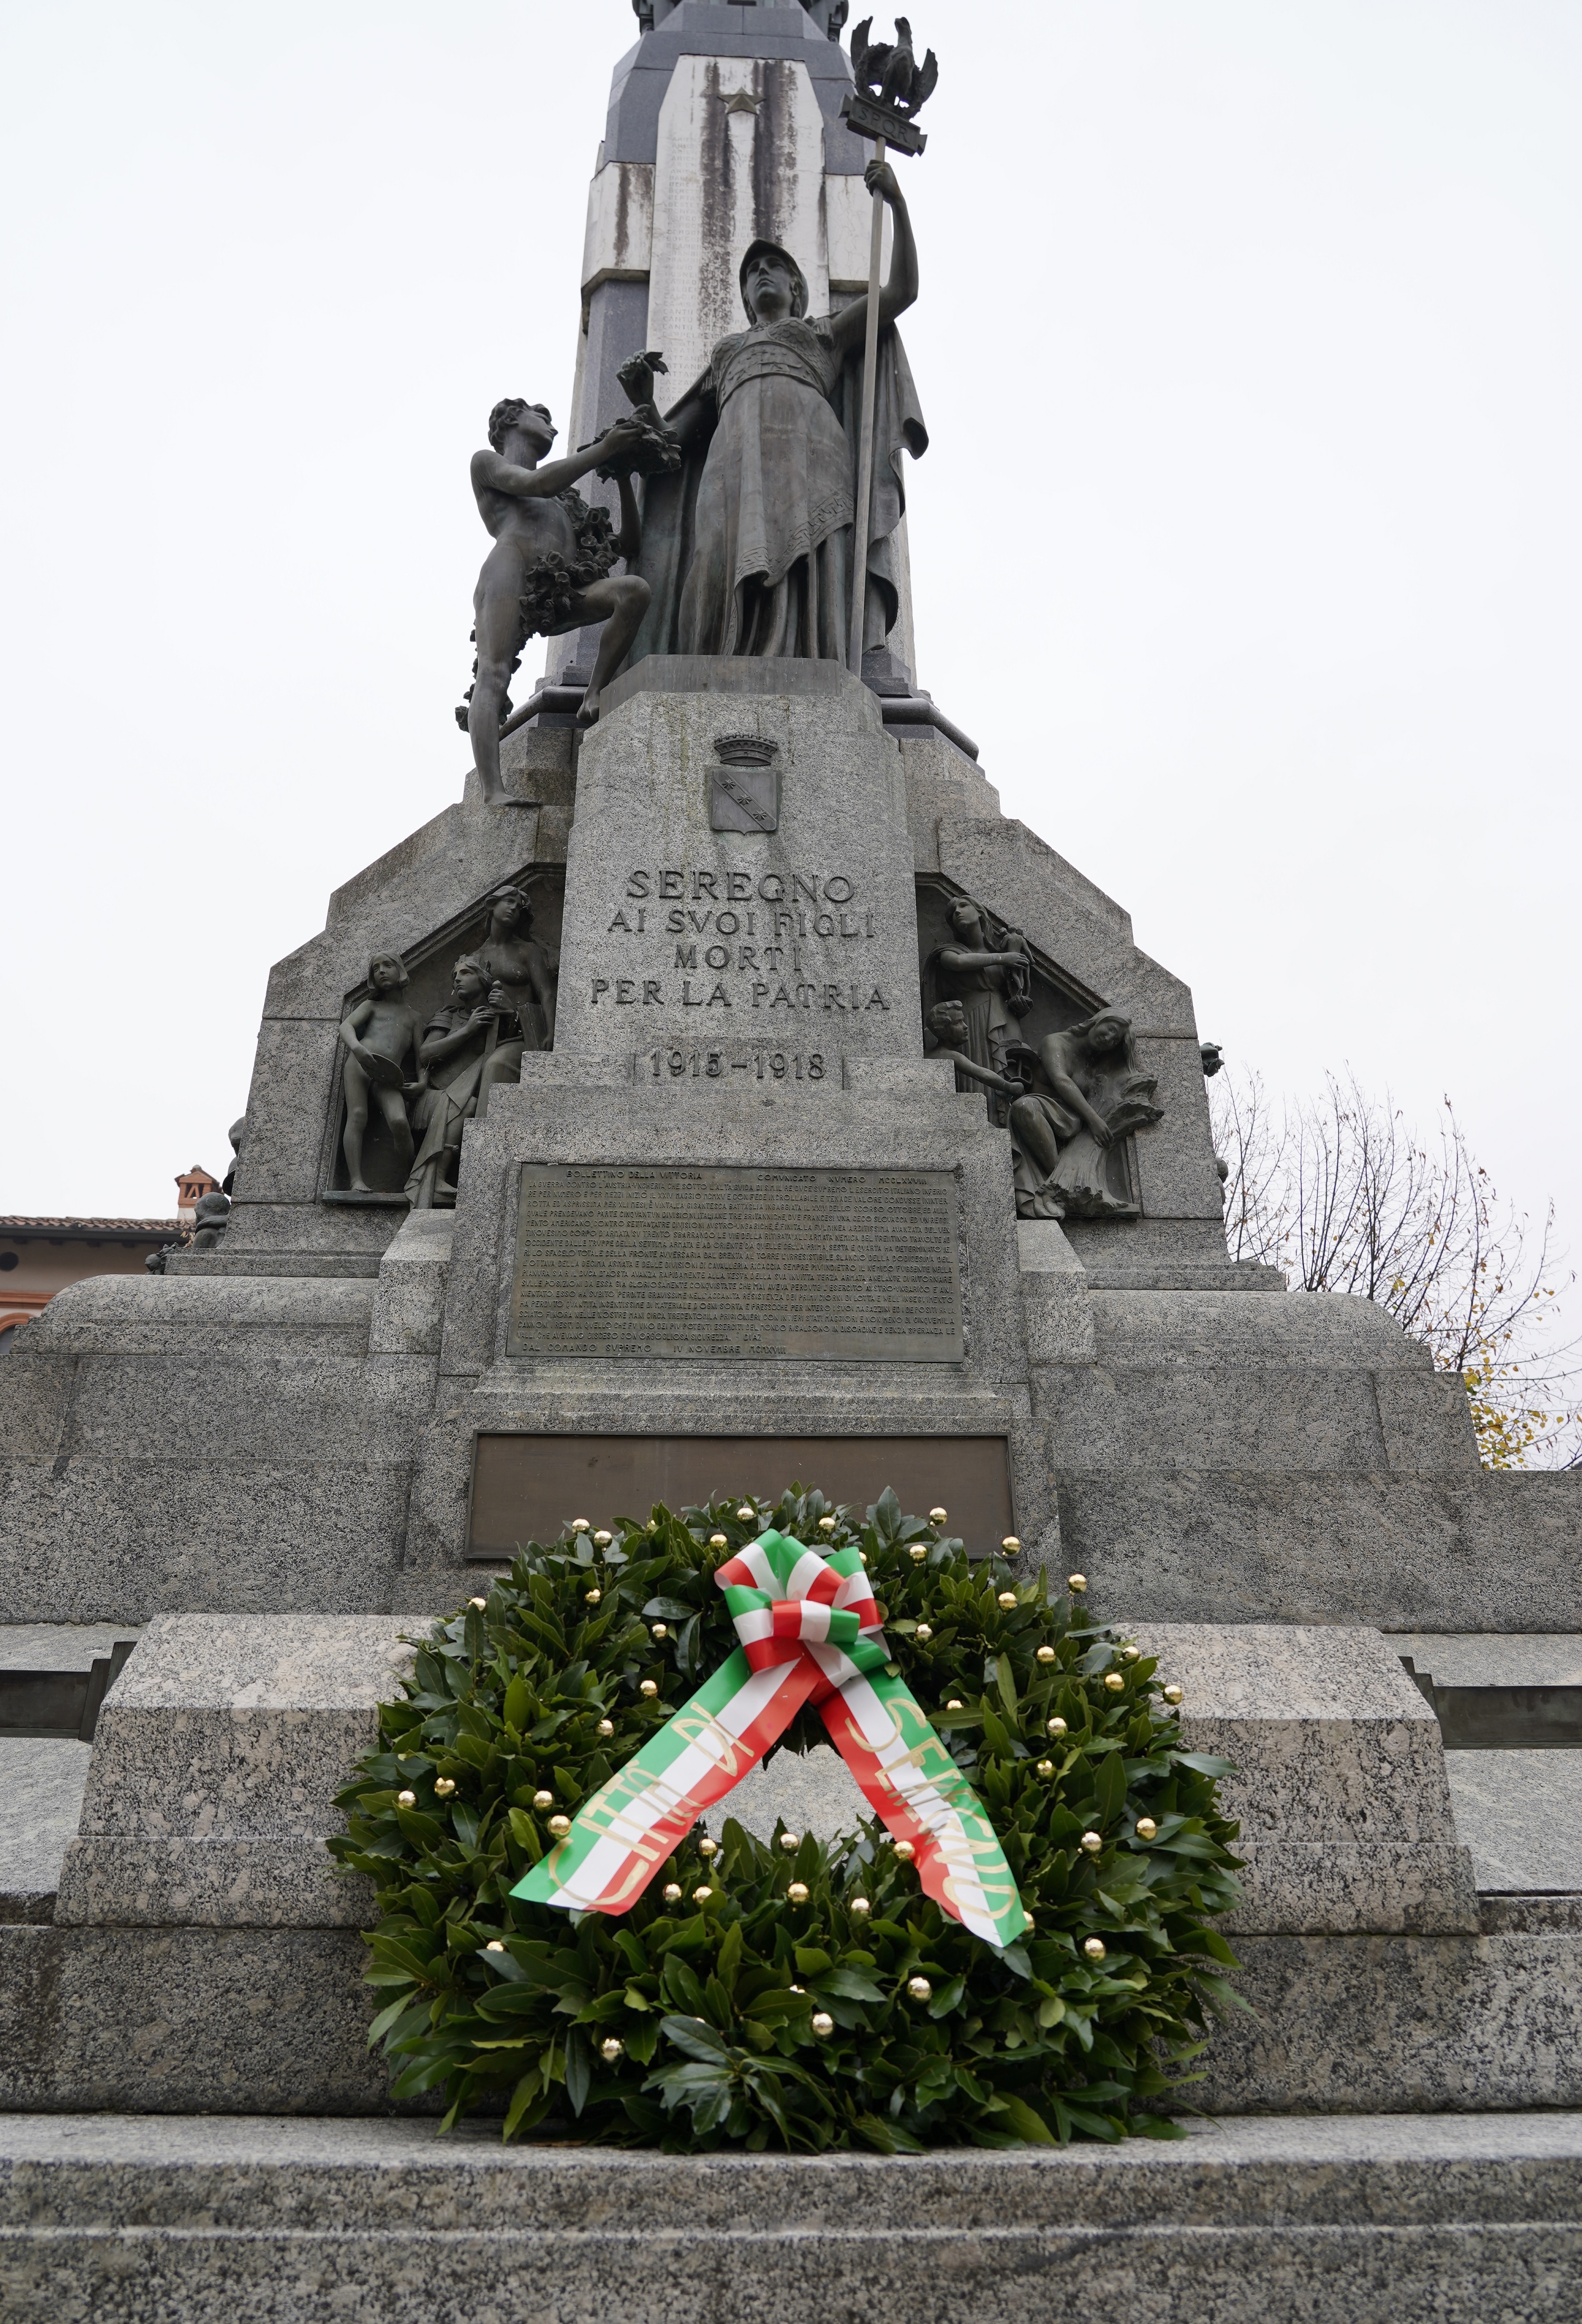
(619, 1261)
(527, 1488)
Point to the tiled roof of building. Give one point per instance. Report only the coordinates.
(90, 1226)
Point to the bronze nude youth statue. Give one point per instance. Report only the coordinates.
(381, 1033)
(549, 570)
(746, 544)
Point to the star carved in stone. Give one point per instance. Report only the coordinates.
(741, 100)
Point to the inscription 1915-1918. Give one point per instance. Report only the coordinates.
(627, 1262)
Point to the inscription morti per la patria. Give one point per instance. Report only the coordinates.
(628, 1261)
(739, 938)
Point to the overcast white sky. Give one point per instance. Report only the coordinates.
(1248, 545)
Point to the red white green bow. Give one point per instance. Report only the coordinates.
(809, 1627)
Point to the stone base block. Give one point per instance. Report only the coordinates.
(1318, 2222)
(1339, 1886)
(219, 1754)
(1407, 2023)
(222, 1883)
(185, 2021)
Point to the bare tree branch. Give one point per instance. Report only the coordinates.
(1343, 1197)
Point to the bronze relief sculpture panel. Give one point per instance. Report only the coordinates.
(427, 1037)
(1058, 1069)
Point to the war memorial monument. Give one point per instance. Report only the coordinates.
(721, 1095)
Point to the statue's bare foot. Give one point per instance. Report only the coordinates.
(588, 714)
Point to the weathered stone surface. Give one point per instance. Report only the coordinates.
(42, 1780)
(151, 2021)
(115, 1314)
(1391, 1548)
(811, 1791)
(1339, 1785)
(1520, 1814)
(1415, 2024)
(179, 1532)
(59, 1645)
(409, 1306)
(1330, 1738)
(1352, 1888)
(1274, 1422)
(1054, 1295)
(1457, 1658)
(1373, 2219)
(215, 1764)
(730, 947)
(220, 1882)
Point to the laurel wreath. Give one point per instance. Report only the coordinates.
(793, 1994)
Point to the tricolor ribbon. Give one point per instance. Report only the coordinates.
(808, 1627)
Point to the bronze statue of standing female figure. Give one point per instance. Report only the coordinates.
(747, 545)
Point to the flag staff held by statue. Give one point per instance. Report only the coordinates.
(891, 87)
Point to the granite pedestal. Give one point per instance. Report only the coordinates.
(289, 1422)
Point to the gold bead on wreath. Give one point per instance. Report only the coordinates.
(479, 1602)
(905, 1850)
(1076, 1582)
(701, 1895)
(827, 1525)
(593, 1597)
(955, 1703)
(1007, 1599)
(1130, 1653)
(718, 1541)
(1146, 1828)
(649, 1686)
(798, 1892)
(707, 1847)
(660, 1630)
(542, 1800)
(747, 1514)
(1115, 1682)
(918, 1552)
(606, 1728)
(1094, 1947)
(443, 1786)
(561, 1825)
(494, 1946)
(1055, 1727)
(406, 1799)
(612, 2048)
(1010, 1544)
(822, 2024)
(923, 1631)
(920, 1989)
(580, 1525)
(671, 1892)
(1046, 1654)
(791, 1842)
(1046, 1768)
(937, 1516)
(603, 1539)
(1092, 1841)
(861, 1906)
(1172, 1694)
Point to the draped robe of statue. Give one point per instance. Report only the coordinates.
(746, 547)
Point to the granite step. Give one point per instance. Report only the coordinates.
(1448, 2218)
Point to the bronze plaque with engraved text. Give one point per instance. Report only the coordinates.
(614, 1259)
